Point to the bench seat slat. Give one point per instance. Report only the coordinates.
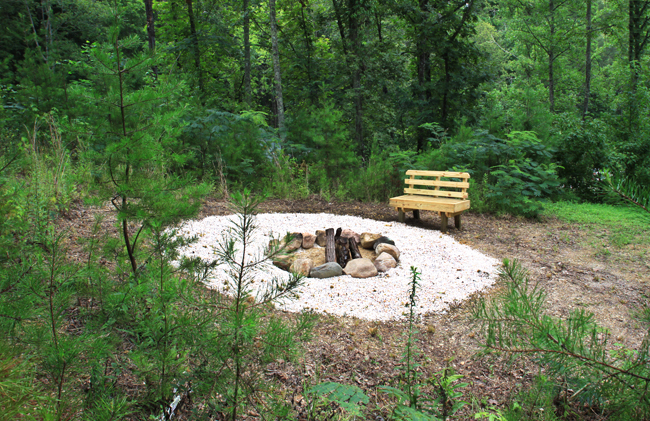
(450, 174)
(439, 193)
(453, 184)
(441, 204)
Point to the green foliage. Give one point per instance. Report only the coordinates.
(349, 397)
(54, 183)
(575, 350)
(381, 178)
(236, 147)
(538, 402)
(519, 186)
(318, 136)
(584, 149)
(289, 179)
(16, 384)
(138, 143)
(511, 175)
(629, 190)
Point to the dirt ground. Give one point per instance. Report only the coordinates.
(563, 258)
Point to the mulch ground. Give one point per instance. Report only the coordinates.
(561, 257)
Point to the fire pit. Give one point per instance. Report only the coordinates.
(327, 253)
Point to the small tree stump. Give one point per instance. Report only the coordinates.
(354, 249)
(330, 253)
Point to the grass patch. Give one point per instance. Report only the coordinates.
(621, 225)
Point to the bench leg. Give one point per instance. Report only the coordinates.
(416, 213)
(400, 215)
(443, 222)
(457, 222)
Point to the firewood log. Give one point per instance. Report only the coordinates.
(354, 249)
(342, 251)
(330, 253)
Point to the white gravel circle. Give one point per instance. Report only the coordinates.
(450, 271)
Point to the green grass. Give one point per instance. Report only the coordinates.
(594, 213)
(621, 225)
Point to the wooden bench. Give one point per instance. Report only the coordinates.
(426, 190)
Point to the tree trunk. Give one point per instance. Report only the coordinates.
(151, 31)
(308, 47)
(378, 23)
(551, 83)
(275, 52)
(49, 37)
(247, 56)
(354, 11)
(587, 90)
(424, 68)
(639, 33)
(195, 45)
(445, 95)
(551, 57)
(339, 23)
(330, 253)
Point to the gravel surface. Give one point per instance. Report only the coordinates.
(450, 271)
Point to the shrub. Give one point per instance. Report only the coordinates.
(515, 173)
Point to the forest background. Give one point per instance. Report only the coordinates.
(151, 105)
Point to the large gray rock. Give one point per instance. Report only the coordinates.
(348, 233)
(368, 240)
(387, 248)
(384, 262)
(302, 266)
(327, 270)
(308, 240)
(360, 268)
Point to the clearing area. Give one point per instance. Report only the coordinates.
(585, 257)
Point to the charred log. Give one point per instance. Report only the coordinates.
(342, 251)
(354, 249)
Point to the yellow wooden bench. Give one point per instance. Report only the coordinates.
(426, 190)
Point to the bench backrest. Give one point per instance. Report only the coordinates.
(431, 183)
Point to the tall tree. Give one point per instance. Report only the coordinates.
(587, 88)
(275, 52)
(639, 29)
(450, 53)
(195, 45)
(441, 32)
(151, 30)
(423, 53)
(350, 18)
(549, 26)
(247, 55)
(639, 33)
(355, 19)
